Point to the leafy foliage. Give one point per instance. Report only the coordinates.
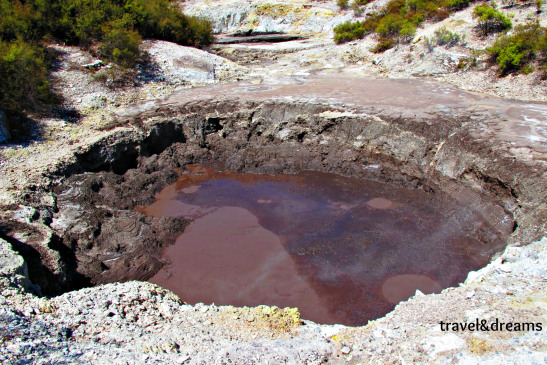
(515, 53)
(349, 31)
(444, 37)
(117, 26)
(343, 4)
(23, 72)
(121, 46)
(84, 21)
(383, 45)
(490, 19)
(397, 21)
(458, 4)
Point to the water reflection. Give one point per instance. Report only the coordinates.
(341, 249)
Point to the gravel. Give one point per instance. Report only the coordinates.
(139, 322)
(136, 322)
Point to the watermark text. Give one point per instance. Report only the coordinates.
(485, 326)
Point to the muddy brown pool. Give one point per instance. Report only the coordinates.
(342, 250)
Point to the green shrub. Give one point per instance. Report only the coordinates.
(389, 25)
(407, 31)
(515, 53)
(395, 24)
(83, 22)
(397, 21)
(343, 4)
(422, 5)
(490, 20)
(444, 37)
(161, 19)
(348, 31)
(427, 9)
(121, 46)
(458, 4)
(201, 32)
(117, 26)
(23, 71)
(383, 45)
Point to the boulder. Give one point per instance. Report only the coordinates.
(182, 65)
(13, 269)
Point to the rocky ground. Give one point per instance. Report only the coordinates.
(113, 127)
(139, 322)
(420, 58)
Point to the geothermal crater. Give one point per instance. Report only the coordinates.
(349, 210)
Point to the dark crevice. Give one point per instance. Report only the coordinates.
(212, 125)
(119, 155)
(161, 137)
(493, 185)
(515, 226)
(40, 273)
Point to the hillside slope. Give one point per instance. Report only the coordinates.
(463, 64)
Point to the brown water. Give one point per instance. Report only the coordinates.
(342, 250)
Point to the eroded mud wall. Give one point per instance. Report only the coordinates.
(83, 229)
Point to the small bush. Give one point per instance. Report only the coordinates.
(393, 25)
(121, 46)
(161, 19)
(23, 70)
(407, 31)
(349, 31)
(397, 21)
(458, 4)
(117, 26)
(343, 4)
(515, 53)
(383, 45)
(444, 37)
(490, 20)
(201, 30)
